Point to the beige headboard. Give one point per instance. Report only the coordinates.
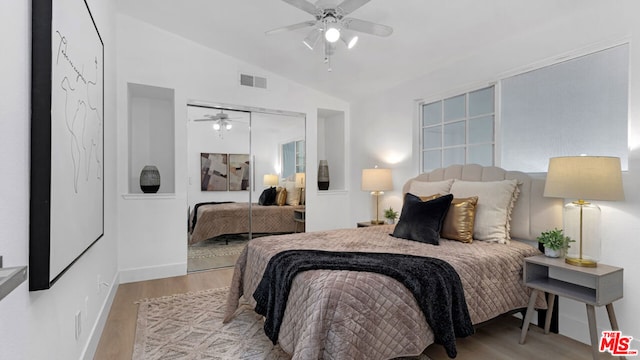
(532, 213)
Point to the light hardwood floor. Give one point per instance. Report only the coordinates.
(496, 340)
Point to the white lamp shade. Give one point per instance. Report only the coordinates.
(312, 39)
(270, 180)
(300, 180)
(584, 178)
(349, 38)
(376, 179)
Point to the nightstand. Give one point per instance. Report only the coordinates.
(299, 216)
(367, 224)
(598, 286)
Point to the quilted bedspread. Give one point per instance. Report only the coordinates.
(233, 218)
(359, 315)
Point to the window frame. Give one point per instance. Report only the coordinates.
(465, 119)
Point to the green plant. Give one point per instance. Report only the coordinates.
(554, 239)
(390, 214)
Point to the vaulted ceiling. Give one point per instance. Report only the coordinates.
(427, 35)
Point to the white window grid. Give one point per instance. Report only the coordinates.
(466, 119)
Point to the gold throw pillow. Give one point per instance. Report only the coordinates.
(281, 196)
(458, 223)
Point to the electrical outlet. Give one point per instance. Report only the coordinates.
(78, 322)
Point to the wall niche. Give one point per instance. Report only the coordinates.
(151, 122)
(331, 146)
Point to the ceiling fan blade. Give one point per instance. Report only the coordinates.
(349, 6)
(291, 27)
(209, 117)
(367, 27)
(304, 5)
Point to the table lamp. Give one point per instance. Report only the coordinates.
(300, 184)
(270, 180)
(590, 178)
(377, 181)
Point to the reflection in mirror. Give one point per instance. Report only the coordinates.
(293, 158)
(219, 162)
(237, 188)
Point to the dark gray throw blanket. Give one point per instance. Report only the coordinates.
(434, 283)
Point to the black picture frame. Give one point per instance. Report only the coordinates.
(66, 44)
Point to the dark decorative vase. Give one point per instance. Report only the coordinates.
(323, 175)
(150, 179)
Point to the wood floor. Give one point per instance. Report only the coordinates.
(496, 340)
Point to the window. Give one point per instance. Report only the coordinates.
(459, 130)
(293, 159)
(578, 106)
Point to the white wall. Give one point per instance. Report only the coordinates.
(394, 143)
(40, 325)
(153, 238)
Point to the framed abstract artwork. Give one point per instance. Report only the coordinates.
(213, 172)
(239, 165)
(67, 138)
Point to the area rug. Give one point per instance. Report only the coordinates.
(215, 253)
(189, 326)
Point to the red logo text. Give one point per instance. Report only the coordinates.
(616, 344)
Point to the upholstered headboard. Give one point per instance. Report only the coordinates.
(532, 213)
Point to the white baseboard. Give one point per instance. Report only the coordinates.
(578, 329)
(152, 272)
(91, 346)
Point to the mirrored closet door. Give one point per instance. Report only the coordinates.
(246, 180)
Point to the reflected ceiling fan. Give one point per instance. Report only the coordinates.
(221, 121)
(331, 24)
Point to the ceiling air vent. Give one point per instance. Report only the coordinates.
(253, 81)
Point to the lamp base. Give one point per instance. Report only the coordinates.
(581, 262)
(377, 222)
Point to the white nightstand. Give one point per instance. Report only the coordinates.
(598, 286)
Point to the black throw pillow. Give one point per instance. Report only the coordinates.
(268, 196)
(422, 220)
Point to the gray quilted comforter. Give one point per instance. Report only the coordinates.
(359, 315)
(233, 218)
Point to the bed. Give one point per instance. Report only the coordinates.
(233, 218)
(363, 315)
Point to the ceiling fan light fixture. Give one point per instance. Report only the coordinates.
(312, 39)
(332, 34)
(349, 39)
(216, 126)
(227, 126)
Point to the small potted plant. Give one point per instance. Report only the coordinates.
(555, 242)
(390, 215)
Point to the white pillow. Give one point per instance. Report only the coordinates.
(292, 193)
(427, 188)
(496, 200)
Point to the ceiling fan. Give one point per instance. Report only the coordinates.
(221, 121)
(331, 22)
